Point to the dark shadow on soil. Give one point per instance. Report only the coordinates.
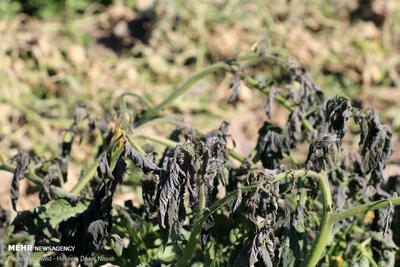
(136, 30)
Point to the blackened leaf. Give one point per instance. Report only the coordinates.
(322, 152)
(271, 145)
(294, 128)
(238, 201)
(271, 96)
(66, 145)
(86, 230)
(375, 144)
(309, 100)
(337, 113)
(145, 163)
(95, 232)
(104, 168)
(257, 249)
(53, 177)
(22, 166)
(149, 190)
(386, 217)
(175, 173)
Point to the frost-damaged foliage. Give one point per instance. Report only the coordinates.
(308, 99)
(177, 168)
(235, 86)
(322, 153)
(375, 144)
(200, 207)
(87, 230)
(272, 145)
(259, 249)
(145, 163)
(271, 97)
(23, 161)
(337, 113)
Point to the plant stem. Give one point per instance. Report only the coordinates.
(152, 113)
(330, 219)
(227, 66)
(202, 195)
(320, 243)
(135, 145)
(85, 179)
(139, 97)
(361, 248)
(157, 139)
(184, 260)
(364, 208)
(282, 101)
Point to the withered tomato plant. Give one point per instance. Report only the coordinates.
(203, 204)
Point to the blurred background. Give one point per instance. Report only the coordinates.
(55, 54)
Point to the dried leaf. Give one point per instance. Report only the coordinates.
(19, 173)
(337, 113)
(375, 144)
(250, 255)
(147, 164)
(149, 190)
(271, 145)
(177, 167)
(271, 96)
(86, 230)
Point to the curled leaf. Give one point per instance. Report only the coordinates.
(177, 169)
(375, 144)
(386, 217)
(322, 152)
(337, 113)
(147, 164)
(271, 145)
(235, 86)
(149, 190)
(22, 165)
(271, 96)
(86, 230)
(257, 249)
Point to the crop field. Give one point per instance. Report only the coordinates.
(200, 133)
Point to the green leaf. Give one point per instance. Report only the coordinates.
(42, 220)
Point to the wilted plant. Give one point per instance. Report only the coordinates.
(200, 205)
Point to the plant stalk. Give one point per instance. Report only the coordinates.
(226, 66)
(202, 194)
